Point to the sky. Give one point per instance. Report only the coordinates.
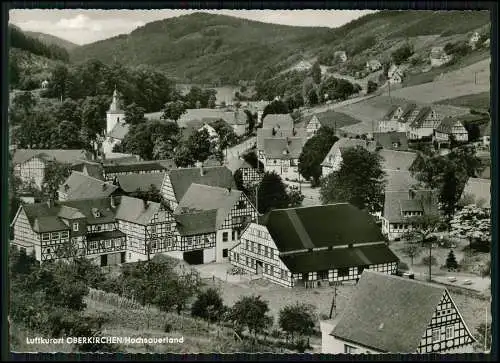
(88, 26)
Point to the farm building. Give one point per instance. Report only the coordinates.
(391, 140)
(113, 170)
(340, 56)
(81, 186)
(281, 155)
(333, 160)
(397, 160)
(395, 74)
(438, 57)
(236, 119)
(313, 245)
(404, 316)
(373, 65)
(474, 39)
(396, 118)
(422, 123)
(450, 128)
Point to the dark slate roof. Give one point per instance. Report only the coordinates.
(62, 156)
(397, 201)
(182, 178)
(196, 223)
(446, 125)
(284, 148)
(139, 166)
(388, 313)
(94, 170)
(388, 139)
(263, 134)
(338, 224)
(136, 210)
(407, 110)
(130, 183)
(397, 160)
(81, 186)
(282, 121)
(399, 180)
(338, 258)
(104, 235)
(422, 115)
(390, 113)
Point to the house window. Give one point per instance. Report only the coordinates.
(266, 251)
(65, 234)
(271, 270)
(323, 275)
(343, 271)
(93, 245)
(107, 244)
(241, 204)
(284, 274)
(55, 235)
(449, 332)
(246, 245)
(259, 249)
(349, 349)
(233, 235)
(118, 243)
(98, 228)
(225, 236)
(435, 335)
(247, 261)
(45, 236)
(153, 245)
(75, 227)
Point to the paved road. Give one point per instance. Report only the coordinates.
(234, 152)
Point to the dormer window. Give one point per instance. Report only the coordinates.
(75, 227)
(96, 213)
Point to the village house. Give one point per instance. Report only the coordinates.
(278, 121)
(236, 119)
(422, 123)
(438, 57)
(401, 208)
(210, 220)
(450, 128)
(403, 316)
(276, 133)
(310, 246)
(132, 183)
(399, 181)
(112, 170)
(323, 119)
(211, 131)
(373, 65)
(340, 56)
(177, 181)
(391, 140)
(281, 155)
(474, 39)
(108, 231)
(396, 118)
(251, 174)
(395, 74)
(30, 164)
(333, 160)
(303, 66)
(45, 84)
(477, 191)
(116, 128)
(81, 186)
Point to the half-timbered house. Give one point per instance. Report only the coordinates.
(281, 155)
(81, 186)
(313, 245)
(450, 128)
(276, 133)
(113, 170)
(422, 123)
(178, 181)
(333, 160)
(233, 212)
(392, 314)
(392, 140)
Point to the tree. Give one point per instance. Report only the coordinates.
(451, 190)
(423, 228)
(208, 305)
(451, 261)
(134, 114)
(412, 250)
(227, 136)
(200, 146)
(314, 152)
(297, 319)
(272, 193)
(173, 110)
(295, 198)
(138, 141)
(402, 54)
(67, 136)
(212, 101)
(54, 176)
(251, 121)
(312, 97)
(316, 73)
(474, 224)
(250, 312)
(359, 181)
(183, 157)
(371, 87)
(275, 107)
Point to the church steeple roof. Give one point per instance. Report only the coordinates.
(116, 104)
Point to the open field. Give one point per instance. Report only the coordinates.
(476, 101)
(472, 79)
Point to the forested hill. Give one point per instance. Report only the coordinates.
(21, 40)
(205, 48)
(51, 39)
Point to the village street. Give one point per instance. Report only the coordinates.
(233, 153)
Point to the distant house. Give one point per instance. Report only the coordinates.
(399, 180)
(278, 121)
(303, 66)
(396, 118)
(400, 207)
(251, 174)
(403, 316)
(210, 220)
(395, 74)
(451, 128)
(131, 183)
(333, 160)
(30, 164)
(438, 57)
(487, 43)
(391, 140)
(325, 119)
(340, 56)
(236, 119)
(474, 39)
(178, 181)
(313, 245)
(281, 155)
(81, 186)
(112, 170)
(211, 131)
(373, 65)
(276, 133)
(477, 192)
(45, 84)
(422, 123)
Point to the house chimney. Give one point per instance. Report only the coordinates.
(146, 205)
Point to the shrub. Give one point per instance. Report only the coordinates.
(208, 305)
(403, 266)
(426, 260)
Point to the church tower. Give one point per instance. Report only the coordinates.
(115, 113)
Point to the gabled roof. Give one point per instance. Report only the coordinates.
(81, 186)
(407, 110)
(130, 183)
(192, 224)
(399, 180)
(119, 131)
(411, 205)
(338, 224)
(437, 53)
(94, 170)
(343, 144)
(397, 160)
(388, 313)
(136, 210)
(388, 139)
(390, 112)
(447, 124)
(284, 148)
(182, 178)
(205, 198)
(230, 117)
(480, 189)
(421, 117)
(338, 258)
(136, 166)
(263, 134)
(397, 202)
(62, 156)
(281, 121)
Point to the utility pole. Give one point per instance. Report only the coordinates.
(334, 301)
(475, 77)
